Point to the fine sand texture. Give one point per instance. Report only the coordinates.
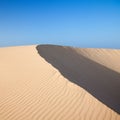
(48, 82)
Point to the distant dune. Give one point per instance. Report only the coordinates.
(48, 82)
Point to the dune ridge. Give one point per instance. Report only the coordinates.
(89, 73)
(31, 88)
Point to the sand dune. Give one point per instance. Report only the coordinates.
(59, 83)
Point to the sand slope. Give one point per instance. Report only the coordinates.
(33, 89)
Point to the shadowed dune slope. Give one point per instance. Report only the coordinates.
(91, 69)
(33, 89)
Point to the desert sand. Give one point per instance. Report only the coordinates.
(48, 82)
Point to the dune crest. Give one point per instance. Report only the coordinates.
(87, 72)
(31, 88)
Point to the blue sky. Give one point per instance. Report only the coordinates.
(80, 23)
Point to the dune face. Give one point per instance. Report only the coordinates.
(47, 82)
(97, 79)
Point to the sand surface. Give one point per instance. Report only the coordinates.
(37, 83)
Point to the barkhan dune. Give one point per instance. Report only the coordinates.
(49, 82)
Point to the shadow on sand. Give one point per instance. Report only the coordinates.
(101, 82)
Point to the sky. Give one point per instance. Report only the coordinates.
(79, 23)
